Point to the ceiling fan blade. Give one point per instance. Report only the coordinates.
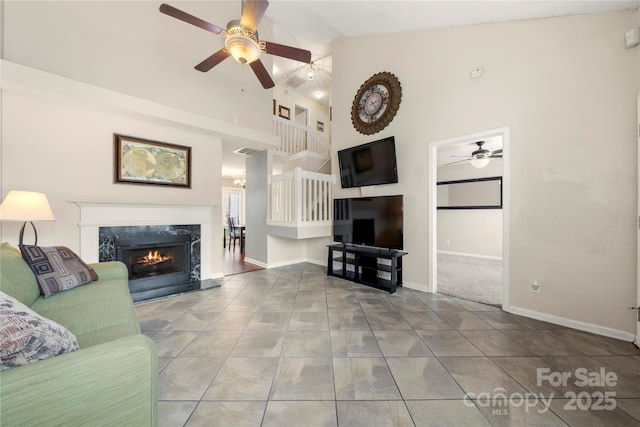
(288, 52)
(497, 151)
(190, 19)
(213, 60)
(459, 161)
(262, 74)
(496, 157)
(252, 13)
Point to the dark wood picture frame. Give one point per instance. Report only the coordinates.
(142, 161)
(284, 112)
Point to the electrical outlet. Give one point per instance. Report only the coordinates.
(535, 285)
(447, 242)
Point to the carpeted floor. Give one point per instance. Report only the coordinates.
(470, 278)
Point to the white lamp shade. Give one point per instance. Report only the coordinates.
(243, 49)
(479, 162)
(26, 206)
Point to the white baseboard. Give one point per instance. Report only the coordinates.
(415, 286)
(323, 262)
(255, 262)
(497, 258)
(285, 263)
(218, 275)
(570, 323)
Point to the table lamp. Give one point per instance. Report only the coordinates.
(27, 206)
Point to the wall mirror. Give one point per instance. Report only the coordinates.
(478, 193)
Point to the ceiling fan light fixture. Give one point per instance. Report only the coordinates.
(243, 49)
(311, 70)
(479, 162)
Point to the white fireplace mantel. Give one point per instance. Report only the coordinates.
(96, 214)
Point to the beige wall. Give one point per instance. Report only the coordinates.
(566, 88)
(65, 149)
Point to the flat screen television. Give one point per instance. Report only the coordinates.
(373, 163)
(369, 221)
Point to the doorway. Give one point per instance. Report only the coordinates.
(301, 117)
(233, 207)
(437, 242)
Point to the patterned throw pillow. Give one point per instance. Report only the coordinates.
(28, 337)
(57, 268)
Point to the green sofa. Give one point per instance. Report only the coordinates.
(111, 380)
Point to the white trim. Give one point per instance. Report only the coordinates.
(637, 339)
(255, 262)
(416, 286)
(574, 324)
(432, 159)
(496, 258)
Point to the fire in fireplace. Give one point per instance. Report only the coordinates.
(158, 265)
(152, 264)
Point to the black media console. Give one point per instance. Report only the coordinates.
(367, 266)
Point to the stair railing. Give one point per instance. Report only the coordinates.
(295, 137)
(301, 198)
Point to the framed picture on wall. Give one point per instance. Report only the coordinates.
(320, 126)
(284, 112)
(141, 161)
(274, 107)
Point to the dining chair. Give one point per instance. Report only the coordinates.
(234, 234)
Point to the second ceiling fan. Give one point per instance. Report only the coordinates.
(480, 157)
(241, 40)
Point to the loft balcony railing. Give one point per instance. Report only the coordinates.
(300, 198)
(296, 138)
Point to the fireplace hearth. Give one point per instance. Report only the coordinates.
(161, 260)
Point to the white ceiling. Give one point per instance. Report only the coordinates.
(314, 25)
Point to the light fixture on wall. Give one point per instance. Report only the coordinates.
(240, 183)
(27, 206)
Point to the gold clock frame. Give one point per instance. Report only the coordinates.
(391, 82)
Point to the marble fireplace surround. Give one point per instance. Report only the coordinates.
(94, 215)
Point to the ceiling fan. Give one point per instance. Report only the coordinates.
(241, 40)
(480, 157)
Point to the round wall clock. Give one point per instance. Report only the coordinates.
(376, 103)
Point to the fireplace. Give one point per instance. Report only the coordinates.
(155, 261)
(161, 260)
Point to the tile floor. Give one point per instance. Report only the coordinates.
(293, 347)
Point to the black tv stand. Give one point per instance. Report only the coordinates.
(367, 267)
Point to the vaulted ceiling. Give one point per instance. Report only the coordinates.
(314, 25)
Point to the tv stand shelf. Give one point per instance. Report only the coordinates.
(366, 265)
